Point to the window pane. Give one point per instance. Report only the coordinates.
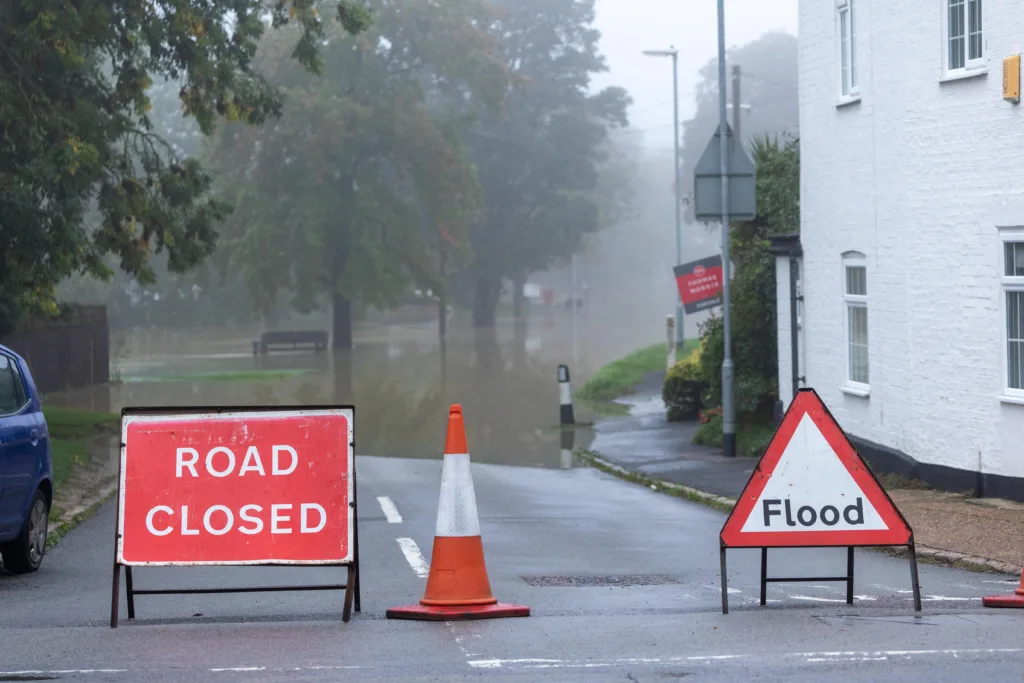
(8, 394)
(844, 50)
(858, 340)
(956, 34)
(1014, 259)
(19, 387)
(975, 45)
(856, 280)
(1015, 340)
(853, 47)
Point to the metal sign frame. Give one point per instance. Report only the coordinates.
(352, 583)
(773, 453)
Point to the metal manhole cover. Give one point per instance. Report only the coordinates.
(587, 581)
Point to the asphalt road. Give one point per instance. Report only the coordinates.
(570, 523)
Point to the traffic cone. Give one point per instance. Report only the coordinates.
(457, 587)
(1016, 599)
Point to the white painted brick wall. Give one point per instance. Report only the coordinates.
(913, 176)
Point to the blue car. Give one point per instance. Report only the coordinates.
(26, 471)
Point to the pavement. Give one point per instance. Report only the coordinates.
(623, 583)
(949, 527)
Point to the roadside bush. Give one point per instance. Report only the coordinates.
(684, 387)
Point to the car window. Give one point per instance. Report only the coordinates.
(9, 400)
(19, 385)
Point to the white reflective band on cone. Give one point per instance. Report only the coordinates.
(564, 393)
(456, 513)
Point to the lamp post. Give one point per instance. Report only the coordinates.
(674, 54)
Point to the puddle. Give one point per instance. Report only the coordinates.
(399, 378)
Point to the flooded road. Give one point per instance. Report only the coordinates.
(400, 378)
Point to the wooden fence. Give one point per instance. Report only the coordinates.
(70, 352)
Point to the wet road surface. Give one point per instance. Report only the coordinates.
(557, 524)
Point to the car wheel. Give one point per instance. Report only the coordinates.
(25, 553)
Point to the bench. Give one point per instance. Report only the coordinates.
(293, 339)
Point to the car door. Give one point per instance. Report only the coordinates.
(19, 468)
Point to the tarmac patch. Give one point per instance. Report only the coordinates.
(595, 581)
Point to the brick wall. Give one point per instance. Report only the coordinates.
(915, 176)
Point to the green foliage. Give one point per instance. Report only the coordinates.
(539, 162)
(77, 133)
(363, 181)
(751, 438)
(70, 424)
(754, 332)
(683, 386)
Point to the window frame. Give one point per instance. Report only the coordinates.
(1007, 284)
(971, 66)
(849, 86)
(850, 301)
(16, 377)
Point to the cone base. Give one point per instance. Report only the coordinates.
(457, 612)
(1009, 600)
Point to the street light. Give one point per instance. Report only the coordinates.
(674, 54)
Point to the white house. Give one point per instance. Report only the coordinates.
(911, 248)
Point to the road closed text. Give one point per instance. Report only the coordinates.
(236, 490)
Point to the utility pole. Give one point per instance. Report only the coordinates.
(736, 104)
(728, 399)
(674, 54)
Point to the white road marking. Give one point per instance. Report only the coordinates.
(810, 598)
(40, 672)
(236, 669)
(240, 668)
(945, 598)
(414, 557)
(811, 657)
(390, 511)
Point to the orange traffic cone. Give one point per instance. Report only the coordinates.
(1015, 599)
(457, 587)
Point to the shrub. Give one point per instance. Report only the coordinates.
(684, 387)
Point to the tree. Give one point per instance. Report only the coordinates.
(769, 86)
(353, 192)
(538, 162)
(75, 130)
(754, 330)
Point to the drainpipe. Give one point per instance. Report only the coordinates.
(793, 324)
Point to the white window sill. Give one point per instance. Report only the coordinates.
(1016, 400)
(963, 74)
(862, 392)
(847, 100)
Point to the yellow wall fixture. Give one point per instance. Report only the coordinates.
(1011, 79)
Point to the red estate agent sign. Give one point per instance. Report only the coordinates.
(250, 486)
(700, 284)
(812, 489)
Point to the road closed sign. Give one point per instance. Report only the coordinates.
(236, 487)
(811, 488)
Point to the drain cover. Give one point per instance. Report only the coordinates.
(587, 581)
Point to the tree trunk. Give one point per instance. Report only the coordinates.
(519, 298)
(485, 301)
(341, 336)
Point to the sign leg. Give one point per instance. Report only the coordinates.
(350, 589)
(915, 583)
(129, 591)
(725, 584)
(849, 576)
(764, 576)
(115, 595)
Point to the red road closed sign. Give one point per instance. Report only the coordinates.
(237, 488)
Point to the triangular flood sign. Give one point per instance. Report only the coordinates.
(811, 488)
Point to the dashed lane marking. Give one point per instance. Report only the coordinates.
(414, 557)
(390, 511)
(53, 672)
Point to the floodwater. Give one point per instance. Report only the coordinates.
(400, 378)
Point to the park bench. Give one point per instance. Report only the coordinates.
(293, 339)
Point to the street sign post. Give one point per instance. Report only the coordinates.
(812, 490)
(700, 283)
(236, 486)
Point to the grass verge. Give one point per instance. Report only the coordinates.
(240, 376)
(619, 377)
(68, 429)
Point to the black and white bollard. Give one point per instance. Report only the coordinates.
(567, 442)
(565, 414)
